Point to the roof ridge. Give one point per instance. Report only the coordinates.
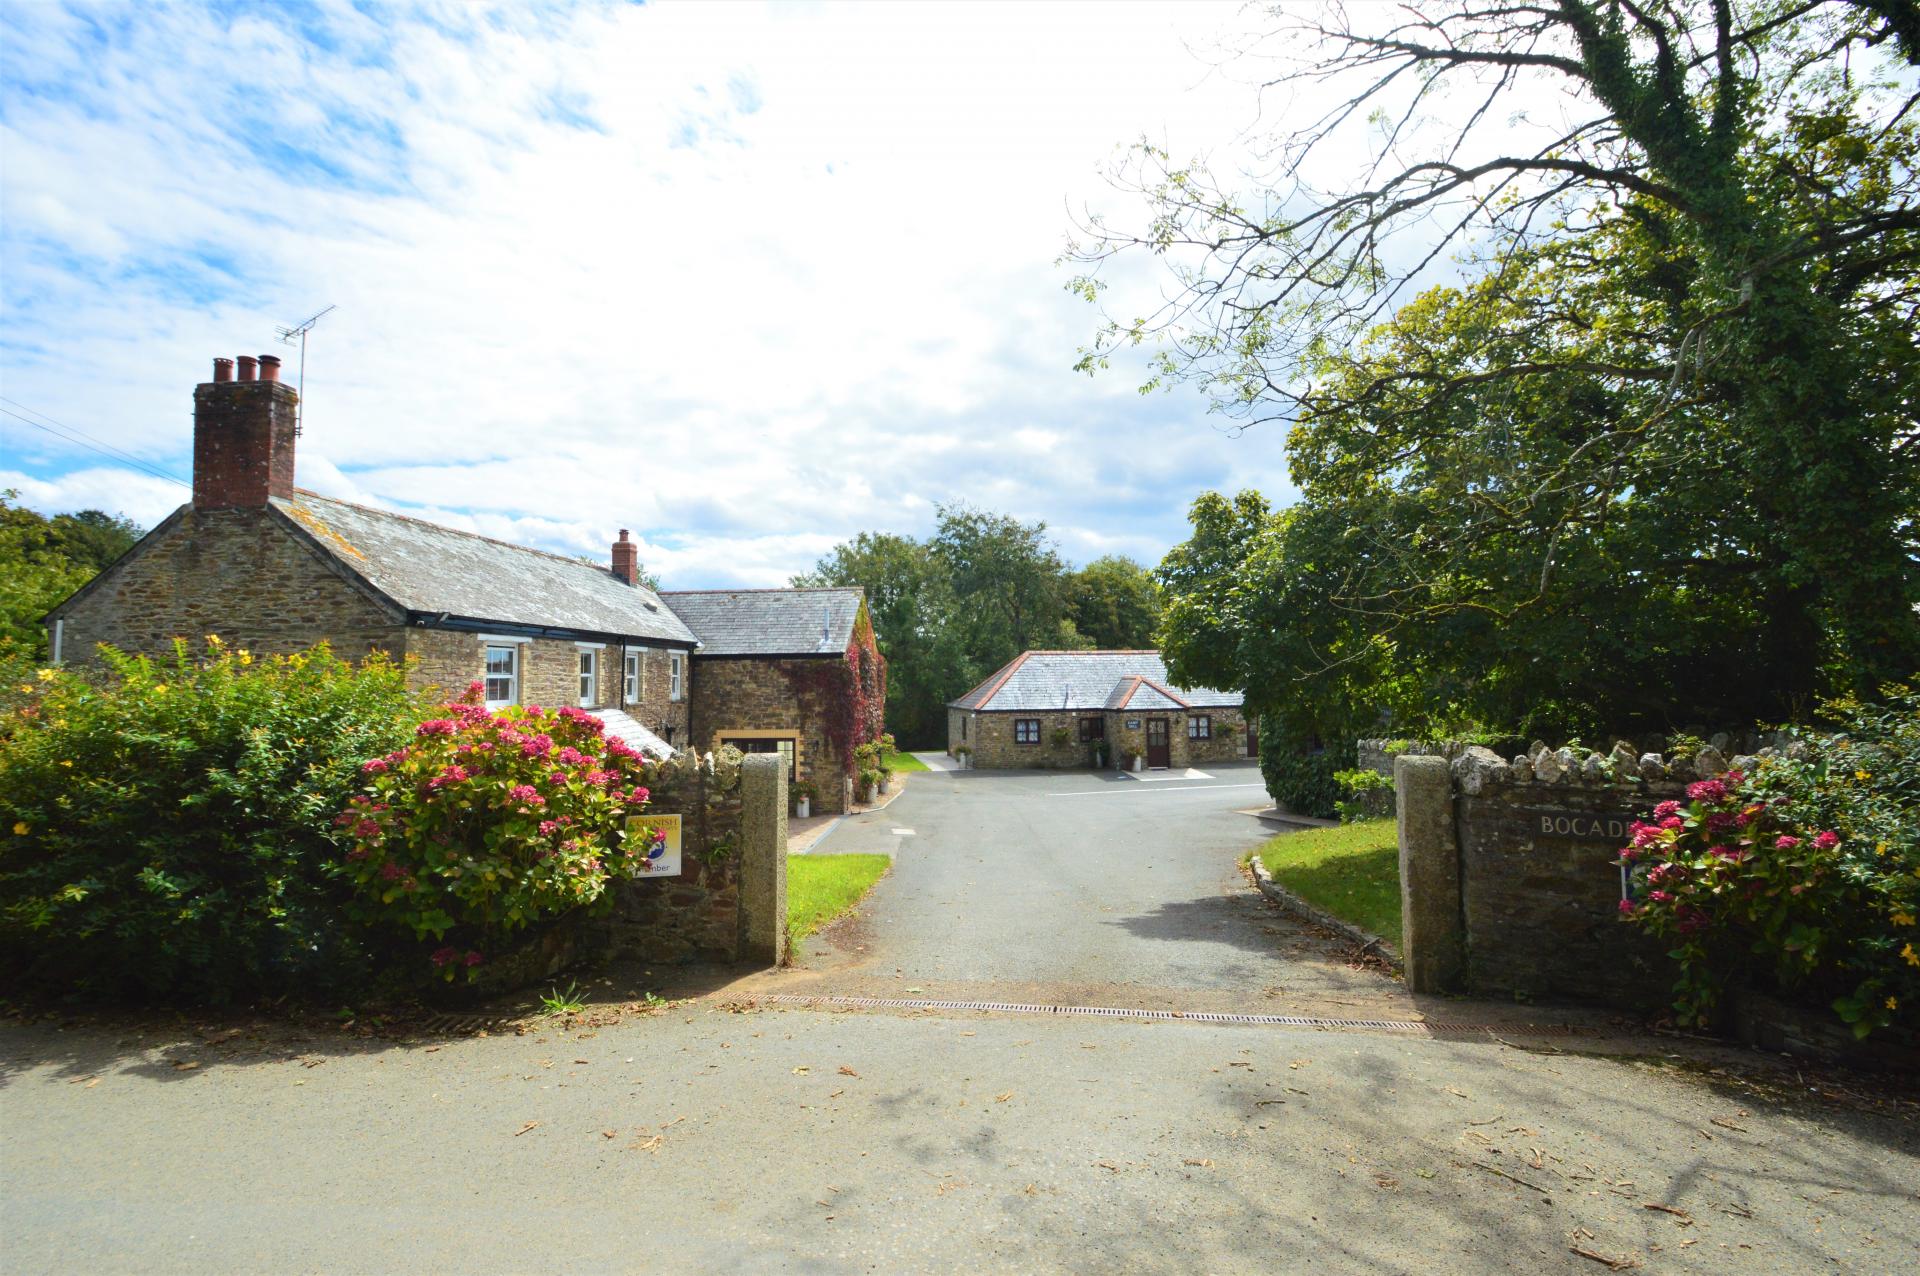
(478, 536)
(1182, 701)
(1012, 667)
(775, 589)
(1094, 651)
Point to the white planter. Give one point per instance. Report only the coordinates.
(802, 809)
(1139, 764)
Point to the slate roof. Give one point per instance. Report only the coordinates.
(769, 622)
(432, 570)
(1041, 680)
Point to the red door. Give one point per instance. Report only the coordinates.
(1159, 750)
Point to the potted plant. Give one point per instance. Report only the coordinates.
(1136, 761)
(1099, 755)
(869, 786)
(1061, 737)
(963, 754)
(803, 797)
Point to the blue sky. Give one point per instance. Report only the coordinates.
(747, 281)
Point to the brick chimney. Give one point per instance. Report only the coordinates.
(243, 435)
(626, 559)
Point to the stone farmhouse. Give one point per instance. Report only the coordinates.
(1050, 708)
(276, 569)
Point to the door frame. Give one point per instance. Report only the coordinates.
(1166, 744)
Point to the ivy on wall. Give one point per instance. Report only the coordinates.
(854, 694)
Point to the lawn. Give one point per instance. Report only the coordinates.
(822, 887)
(904, 762)
(1352, 871)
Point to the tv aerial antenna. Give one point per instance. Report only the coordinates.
(297, 336)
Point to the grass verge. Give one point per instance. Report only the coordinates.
(822, 887)
(1352, 871)
(904, 762)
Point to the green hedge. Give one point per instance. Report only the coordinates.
(165, 826)
(1300, 772)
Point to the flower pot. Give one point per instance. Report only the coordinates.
(1139, 764)
(802, 809)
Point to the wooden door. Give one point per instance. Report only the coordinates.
(1159, 746)
(1253, 740)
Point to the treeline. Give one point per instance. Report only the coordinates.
(42, 560)
(954, 607)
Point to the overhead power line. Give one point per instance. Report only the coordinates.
(80, 438)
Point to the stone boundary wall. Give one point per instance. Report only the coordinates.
(729, 902)
(1507, 872)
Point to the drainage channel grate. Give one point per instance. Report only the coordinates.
(457, 1023)
(1423, 1027)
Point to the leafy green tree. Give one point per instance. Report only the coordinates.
(911, 603)
(1006, 581)
(43, 560)
(1654, 460)
(1114, 603)
(950, 610)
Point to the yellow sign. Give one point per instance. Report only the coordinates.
(654, 841)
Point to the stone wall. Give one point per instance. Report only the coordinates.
(239, 573)
(991, 737)
(695, 916)
(1508, 872)
(806, 698)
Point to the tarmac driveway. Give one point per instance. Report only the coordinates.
(1075, 886)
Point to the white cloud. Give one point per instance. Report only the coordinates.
(117, 491)
(795, 281)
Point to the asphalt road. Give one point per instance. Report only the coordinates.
(797, 1141)
(728, 1135)
(1079, 887)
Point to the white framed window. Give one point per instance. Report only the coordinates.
(676, 669)
(1199, 727)
(503, 676)
(589, 676)
(630, 678)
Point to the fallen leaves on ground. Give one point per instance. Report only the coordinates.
(1612, 1263)
(185, 1065)
(1002, 1098)
(845, 1071)
(523, 1129)
(1205, 1163)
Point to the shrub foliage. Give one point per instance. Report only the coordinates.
(164, 825)
(1804, 875)
(487, 823)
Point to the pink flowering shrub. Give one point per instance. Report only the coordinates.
(1804, 875)
(490, 822)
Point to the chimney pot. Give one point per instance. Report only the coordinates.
(243, 436)
(626, 559)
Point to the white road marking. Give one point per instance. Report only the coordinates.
(903, 832)
(1184, 788)
(1189, 774)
